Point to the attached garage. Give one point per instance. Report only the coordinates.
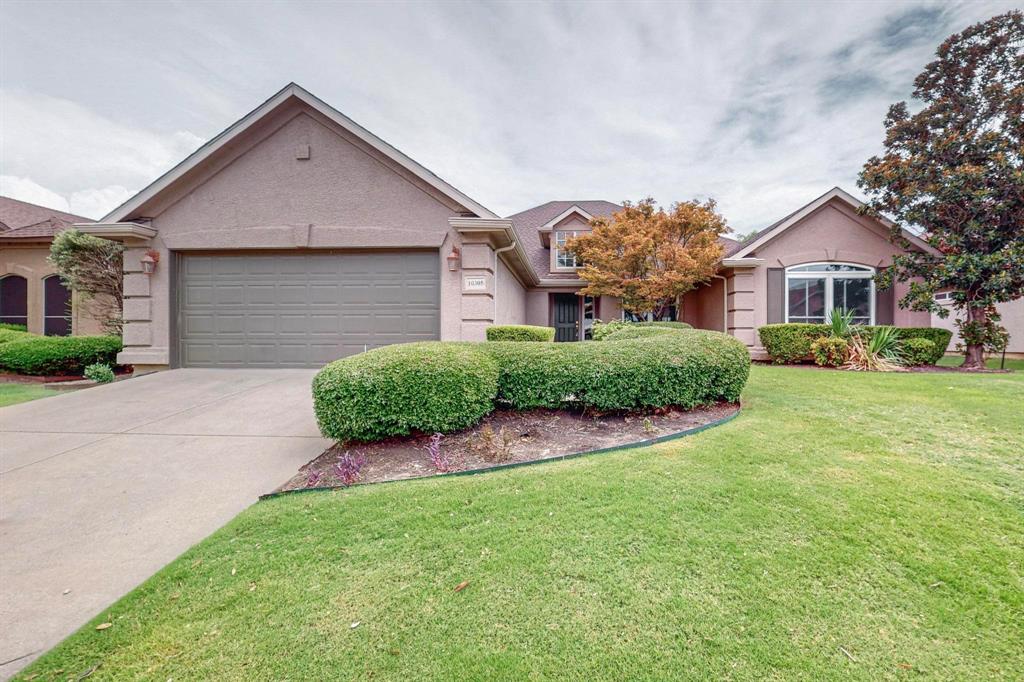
(302, 309)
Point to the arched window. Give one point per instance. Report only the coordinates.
(814, 289)
(56, 307)
(14, 299)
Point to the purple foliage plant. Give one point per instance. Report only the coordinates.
(438, 458)
(347, 468)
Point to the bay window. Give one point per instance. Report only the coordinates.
(814, 289)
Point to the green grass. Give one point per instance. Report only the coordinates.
(877, 514)
(12, 394)
(991, 363)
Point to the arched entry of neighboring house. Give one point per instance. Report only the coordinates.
(14, 300)
(56, 307)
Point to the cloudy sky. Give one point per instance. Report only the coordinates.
(762, 106)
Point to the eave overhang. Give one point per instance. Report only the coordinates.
(503, 239)
(131, 233)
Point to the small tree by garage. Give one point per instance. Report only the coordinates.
(955, 169)
(648, 256)
(91, 267)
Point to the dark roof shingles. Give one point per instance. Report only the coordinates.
(22, 220)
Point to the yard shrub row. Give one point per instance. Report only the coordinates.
(520, 332)
(13, 327)
(8, 335)
(57, 355)
(442, 386)
(791, 342)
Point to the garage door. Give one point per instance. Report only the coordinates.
(302, 310)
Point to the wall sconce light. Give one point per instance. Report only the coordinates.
(453, 259)
(149, 261)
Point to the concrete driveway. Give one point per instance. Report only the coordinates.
(101, 487)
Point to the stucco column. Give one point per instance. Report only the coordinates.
(478, 290)
(139, 348)
(740, 321)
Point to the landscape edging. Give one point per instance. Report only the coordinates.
(513, 465)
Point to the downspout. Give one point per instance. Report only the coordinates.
(725, 303)
(496, 252)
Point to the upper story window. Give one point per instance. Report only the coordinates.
(813, 290)
(564, 258)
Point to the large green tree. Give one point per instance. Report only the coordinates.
(955, 171)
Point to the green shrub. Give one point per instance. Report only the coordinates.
(788, 343)
(100, 373)
(602, 330)
(830, 351)
(791, 342)
(8, 335)
(682, 368)
(918, 351)
(13, 327)
(520, 332)
(636, 332)
(58, 355)
(396, 390)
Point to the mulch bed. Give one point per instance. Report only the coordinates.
(505, 437)
(918, 368)
(11, 378)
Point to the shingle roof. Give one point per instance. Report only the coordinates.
(22, 220)
(526, 224)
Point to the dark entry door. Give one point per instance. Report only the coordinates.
(567, 317)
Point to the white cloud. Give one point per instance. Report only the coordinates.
(25, 189)
(96, 203)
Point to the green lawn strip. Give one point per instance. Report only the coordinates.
(12, 394)
(991, 363)
(877, 514)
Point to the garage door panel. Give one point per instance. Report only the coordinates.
(302, 310)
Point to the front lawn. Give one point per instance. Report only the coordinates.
(845, 525)
(991, 363)
(12, 394)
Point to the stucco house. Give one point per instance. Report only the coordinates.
(31, 293)
(296, 237)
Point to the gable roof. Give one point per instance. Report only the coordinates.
(22, 220)
(529, 223)
(778, 227)
(290, 92)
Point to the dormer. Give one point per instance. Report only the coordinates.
(554, 234)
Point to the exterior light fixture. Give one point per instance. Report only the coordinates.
(453, 259)
(149, 261)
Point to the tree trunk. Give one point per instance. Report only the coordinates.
(974, 353)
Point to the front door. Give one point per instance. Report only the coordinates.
(566, 314)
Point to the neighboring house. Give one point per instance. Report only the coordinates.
(1012, 321)
(296, 237)
(31, 293)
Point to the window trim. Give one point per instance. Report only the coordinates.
(867, 272)
(568, 234)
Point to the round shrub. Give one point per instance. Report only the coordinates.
(636, 332)
(426, 387)
(58, 355)
(681, 368)
(520, 332)
(918, 351)
(100, 373)
(830, 351)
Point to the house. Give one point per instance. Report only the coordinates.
(296, 237)
(31, 293)
(1012, 320)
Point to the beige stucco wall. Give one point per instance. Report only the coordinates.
(704, 307)
(259, 195)
(510, 302)
(1012, 315)
(835, 232)
(30, 262)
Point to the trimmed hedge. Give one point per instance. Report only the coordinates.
(918, 351)
(58, 355)
(602, 330)
(396, 390)
(13, 327)
(791, 342)
(8, 335)
(636, 332)
(830, 351)
(681, 368)
(520, 332)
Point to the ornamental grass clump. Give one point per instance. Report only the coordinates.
(878, 353)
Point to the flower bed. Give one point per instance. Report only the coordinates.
(791, 343)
